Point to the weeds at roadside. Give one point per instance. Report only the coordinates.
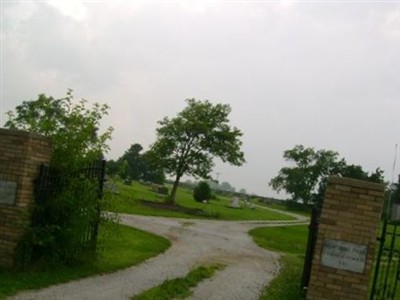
(179, 288)
(291, 242)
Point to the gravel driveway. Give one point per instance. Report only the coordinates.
(194, 242)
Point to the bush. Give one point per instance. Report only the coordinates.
(202, 192)
(163, 190)
(64, 227)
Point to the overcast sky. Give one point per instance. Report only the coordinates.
(325, 74)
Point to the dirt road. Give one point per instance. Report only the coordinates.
(194, 242)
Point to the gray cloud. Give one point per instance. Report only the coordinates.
(320, 74)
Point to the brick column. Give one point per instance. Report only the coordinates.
(20, 155)
(346, 240)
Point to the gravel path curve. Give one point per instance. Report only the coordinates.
(194, 242)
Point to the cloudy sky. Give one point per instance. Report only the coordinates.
(325, 74)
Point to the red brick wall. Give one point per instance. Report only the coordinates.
(21, 153)
(350, 213)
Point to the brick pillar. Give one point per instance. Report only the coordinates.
(20, 155)
(346, 240)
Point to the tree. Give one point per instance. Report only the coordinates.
(151, 171)
(225, 186)
(60, 220)
(243, 191)
(134, 162)
(187, 143)
(306, 181)
(112, 167)
(202, 192)
(73, 128)
(135, 165)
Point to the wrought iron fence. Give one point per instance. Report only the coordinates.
(312, 239)
(70, 198)
(385, 284)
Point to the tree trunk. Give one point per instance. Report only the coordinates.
(172, 197)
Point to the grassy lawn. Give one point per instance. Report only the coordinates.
(120, 247)
(127, 201)
(283, 207)
(178, 288)
(291, 242)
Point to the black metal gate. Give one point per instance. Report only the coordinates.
(51, 183)
(312, 239)
(386, 273)
(385, 284)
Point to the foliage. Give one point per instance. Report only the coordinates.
(178, 288)
(70, 216)
(202, 192)
(152, 172)
(221, 187)
(162, 190)
(225, 186)
(64, 227)
(134, 163)
(73, 128)
(306, 181)
(115, 252)
(242, 191)
(187, 143)
(136, 166)
(112, 167)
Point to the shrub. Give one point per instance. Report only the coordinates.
(64, 227)
(202, 192)
(163, 190)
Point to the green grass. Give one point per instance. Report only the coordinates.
(286, 286)
(284, 207)
(288, 239)
(178, 288)
(127, 202)
(291, 242)
(121, 247)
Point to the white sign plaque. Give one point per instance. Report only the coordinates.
(8, 191)
(344, 255)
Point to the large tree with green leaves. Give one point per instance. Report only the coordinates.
(72, 126)
(188, 143)
(134, 161)
(136, 166)
(306, 179)
(74, 129)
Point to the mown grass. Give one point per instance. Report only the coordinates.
(291, 243)
(284, 207)
(178, 288)
(120, 247)
(127, 201)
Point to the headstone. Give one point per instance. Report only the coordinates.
(235, 202)
(111, 187)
